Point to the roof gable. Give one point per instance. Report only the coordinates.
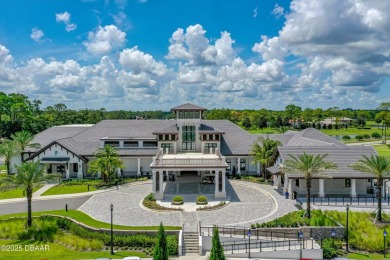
(188, 106)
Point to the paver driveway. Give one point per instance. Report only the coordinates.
(250, 203)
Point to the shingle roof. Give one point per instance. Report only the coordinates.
(343, 157)
(172, 129)
(235, 140)
(57, 132)
(188, 106)
(312, 137)
(274, 169)
(209, 129)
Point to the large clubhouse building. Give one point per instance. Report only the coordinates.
(191, 146)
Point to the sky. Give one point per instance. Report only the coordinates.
(157, 54)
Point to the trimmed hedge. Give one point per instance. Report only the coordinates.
(178, 200)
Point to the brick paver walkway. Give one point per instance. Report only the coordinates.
(250, 203)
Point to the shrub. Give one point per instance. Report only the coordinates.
(346, 137)
(178, 200)
(150, 202)
(216, 249)
(160, 249)
(332, 248)
(201, 199)
(359, 137)
(366, 136)
(376, 135)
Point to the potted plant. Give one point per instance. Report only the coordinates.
(201, 200)
(177, 200)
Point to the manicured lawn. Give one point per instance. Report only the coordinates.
(367, 256)
(68, 189)
(14, 193)
(54, 251)
(382, 149)
(86, 219)
(351, 131)
(267, 130)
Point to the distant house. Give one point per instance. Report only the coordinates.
(337, 120)
(188, 146)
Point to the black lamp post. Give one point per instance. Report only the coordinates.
(249, 236)
(384, 243)
(333, 234)
(346, 236)
(112, 234)
(300, 236)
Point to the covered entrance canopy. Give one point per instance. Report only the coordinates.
(204, 164)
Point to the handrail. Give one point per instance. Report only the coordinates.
(242, 232)
(343, 200)
(259, 245)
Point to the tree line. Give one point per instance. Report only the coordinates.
(18, 112)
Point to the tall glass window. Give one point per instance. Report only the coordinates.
(188, 134)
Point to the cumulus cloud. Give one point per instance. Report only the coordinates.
(65, 18)
(138, 61)
(104, 40)
(270, 48)
(193, 46)
(278, 11)
(36, 34)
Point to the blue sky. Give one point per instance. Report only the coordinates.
(149, 54)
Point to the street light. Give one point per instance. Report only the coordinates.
(249, 236)
(384, 243)
(300, 236)
(346, 236)
(112, 234)
(333, 234)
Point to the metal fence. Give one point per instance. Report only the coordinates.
(337, 201)
(240, 232)
(260, 246)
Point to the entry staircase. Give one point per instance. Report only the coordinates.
(190, 243)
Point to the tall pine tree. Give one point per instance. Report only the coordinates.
(217, 249)
(161, 248)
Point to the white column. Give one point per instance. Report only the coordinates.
(239, 165)
(353, 188)
(80, 171)
(67, 174)
(216, 181)
(285, 183)
(258, 168)
(279, 177)
(224, 181)
(119, 173)
(154, 182)
(160, 193)
(290, 190)
(321, 193)
(138, 166)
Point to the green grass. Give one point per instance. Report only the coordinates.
(14, 193)
(86, 219)
(351, 131)
(68, 189)
(367, 256)
(262, 131)
(382, 149)
(57, 251)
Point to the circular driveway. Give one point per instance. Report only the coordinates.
(250, 203)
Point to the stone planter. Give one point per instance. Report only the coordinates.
(201, 202)
(177, 202)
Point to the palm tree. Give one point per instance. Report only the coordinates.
(309, 166)
(107, 162)
(28, 176)
(23, 140)
(380, 167)
(8, 150)
(265, 153)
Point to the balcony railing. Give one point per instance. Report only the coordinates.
(215, 159)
